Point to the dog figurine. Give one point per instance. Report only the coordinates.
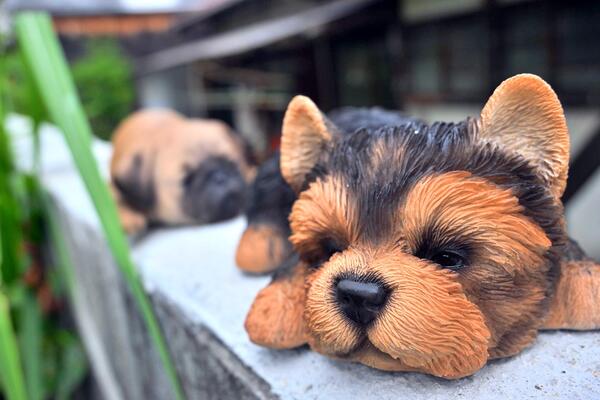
(170, 170)
(428, 248)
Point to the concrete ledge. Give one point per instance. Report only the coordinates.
(201, 301)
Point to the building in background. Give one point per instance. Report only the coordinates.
(439, 60)
(93, 18)
(242, 61)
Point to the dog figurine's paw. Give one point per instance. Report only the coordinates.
(131, 221)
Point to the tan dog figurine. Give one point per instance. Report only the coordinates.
(170, 170)
(428, 248)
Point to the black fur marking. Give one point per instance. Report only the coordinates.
(214, 190)
(350, 119)
(286, 269)
(573, 252)
(207, 170)
(270, 198)
(328, 247)
(136, 190)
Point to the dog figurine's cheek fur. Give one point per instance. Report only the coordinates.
(464, 264)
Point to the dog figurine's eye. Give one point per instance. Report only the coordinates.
(328, 248)
(448, 259)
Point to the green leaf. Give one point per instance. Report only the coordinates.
(10, 230)
(10, 362)
(30, 341)
(73, 360)
(73, 366)
(11, 263)
(49, 68)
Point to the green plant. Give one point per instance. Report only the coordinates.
(10, 363)
(103, 78)
(36, 350)
(51, 75)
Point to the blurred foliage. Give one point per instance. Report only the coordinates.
(18, 91)
(40, 356)
(104, 80)
(103, 77)
(45, 58)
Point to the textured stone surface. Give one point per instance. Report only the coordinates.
(201, 300)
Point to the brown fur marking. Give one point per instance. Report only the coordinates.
(323, 209)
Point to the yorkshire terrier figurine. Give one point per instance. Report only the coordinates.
(427, 248)
(169, 170)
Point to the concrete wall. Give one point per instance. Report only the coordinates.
(201, 300)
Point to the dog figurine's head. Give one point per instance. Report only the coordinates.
(170, 170)
(428, 248)
(264, 245)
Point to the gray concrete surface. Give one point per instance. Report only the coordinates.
(201, 300)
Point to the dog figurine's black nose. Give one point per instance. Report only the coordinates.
(360, 301)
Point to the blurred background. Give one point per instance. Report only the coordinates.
(242, 60)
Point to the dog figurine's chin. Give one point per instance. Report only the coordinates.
(427, 248)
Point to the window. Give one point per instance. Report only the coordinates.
(578, 30)
(449, 59)
(526, 42)
(364, 72)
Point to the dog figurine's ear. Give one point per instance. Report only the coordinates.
(305, 134)
(276, 318)
(524, 115)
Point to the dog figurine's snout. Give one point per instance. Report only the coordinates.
(360, 301)
(215, 190)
